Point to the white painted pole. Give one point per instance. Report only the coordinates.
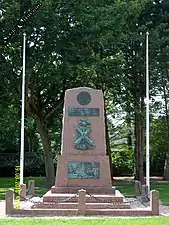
(22, 113)
(147, 118)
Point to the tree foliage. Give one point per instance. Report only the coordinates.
(82, 43)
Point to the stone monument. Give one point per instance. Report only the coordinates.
(83, 163)
(83, 183)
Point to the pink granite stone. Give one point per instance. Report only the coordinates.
(97, 154)
(154, 202)
(31, 187)
(81, 202)
(70, 122)
(103, 183)
(88, 212)
(9, 206)
(22, 192)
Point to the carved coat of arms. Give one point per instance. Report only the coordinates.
(83, 141)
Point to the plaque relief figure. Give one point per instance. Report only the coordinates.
(83, 141)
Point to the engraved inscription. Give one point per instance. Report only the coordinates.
(83, 111)
(83, 170)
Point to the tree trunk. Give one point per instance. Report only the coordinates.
(29, 144)
(138, 144)
(142, 127)
(166, 165)
(49, 165)
(129, 136)
(33, 110)
(108, 150)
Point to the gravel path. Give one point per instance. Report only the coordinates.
(2, 208)
(164, 210)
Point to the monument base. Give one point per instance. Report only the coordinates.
(75, 172)
(93, 190)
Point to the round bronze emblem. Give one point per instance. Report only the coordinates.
(84, 98)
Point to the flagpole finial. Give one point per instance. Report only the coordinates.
(147, 33)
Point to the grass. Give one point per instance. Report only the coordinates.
(161, 186)
(90, 221)
(125, 188)
(6, 183)
(163, 189)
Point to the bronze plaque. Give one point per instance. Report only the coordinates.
(83, 111)
(84, 98)
(83, 170)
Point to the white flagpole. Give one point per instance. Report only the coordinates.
(147, 118)
(22, 113)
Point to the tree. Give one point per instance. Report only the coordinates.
(69, 44)
(160, 65)
(159, 145)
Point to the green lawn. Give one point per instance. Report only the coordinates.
(6, 183)
(91, 221)
(125, 188)
(161, 186)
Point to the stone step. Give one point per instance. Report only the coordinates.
(88, 206)
(89, 212)
(119, 212)
(46, 212)
(74, 190)
(62, 198)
